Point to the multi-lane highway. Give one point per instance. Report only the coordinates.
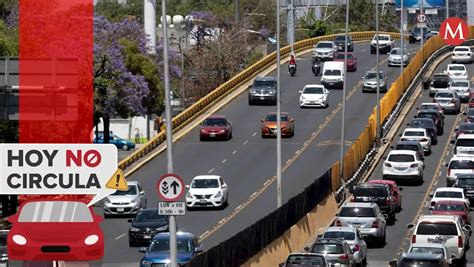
(247, 161)
(416, 198)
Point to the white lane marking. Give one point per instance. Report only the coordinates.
(246, 141)
(254, 134)
(223, 161)
(210, 171)
(363, 50)
(235, 151)
(120, 236)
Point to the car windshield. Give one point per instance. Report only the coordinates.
(305, 260)
(449, 207)
(327, 248)
(342, 38)
(407, 147)
(461, 164)
(466, 126)
(460, 84)
(205, 183)
(332, 72)
(465, 142)
(466, 181)
(342, 55)
(356, 212)
(457, 68)
(420, 262)
(340, 235)
(324, 45)
(440, 82)
(373, 75)
(150, 216)
(448, 194)
(55, 211)
(430, 250)
(444, 95)
(423, 123)
(401, 158)
(214, 122)
(429, 228)
(273, 117)
(163, 245)
(370, 192)
(313, 90)
(132, 190)
(416, 30)
(382, 37)
(414, 133)
(264, 83)
(396, 51)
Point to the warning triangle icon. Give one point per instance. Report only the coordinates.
(117, 181)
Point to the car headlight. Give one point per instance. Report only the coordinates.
(133, 229)
(19, 239)
(222, 131)
(218, 194)
(91, 240)
(272, 92)
(146, 263)
(253, 91)
(188, 195)
(162, 228)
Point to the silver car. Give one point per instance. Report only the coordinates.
(336, 251)
(353, 237)
(367, 217)
(325, 50)
(395, 57)
(439, 82)
(462, 87)
(128, 202)
(370, 82)
(449, 101)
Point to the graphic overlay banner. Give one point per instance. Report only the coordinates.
(417, 3)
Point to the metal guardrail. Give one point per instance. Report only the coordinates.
(186, 116)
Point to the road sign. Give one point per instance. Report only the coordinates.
(170, 187)
(117, 181)
(431, 11)
(421, 18)
(454, 31)
(421, 25)
(172, 208)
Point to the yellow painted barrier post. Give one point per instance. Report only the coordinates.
(335, 179)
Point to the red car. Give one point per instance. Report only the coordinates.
(215, 127)
(351, 60)
(55, 230)
(395, 191)
(452, 207)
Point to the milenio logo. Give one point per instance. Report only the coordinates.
(454, 31)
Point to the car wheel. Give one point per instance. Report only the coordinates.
(399, 207)
(230, 135)
(392, 218)
(201, 138)
(372, 51)
(125, 148)
(250, 103)
(364, 261)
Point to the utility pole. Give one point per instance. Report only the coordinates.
(279, 196)
(447, 9)
(402, 36)
(422, 30)
(377, 58)
(344, 89)
(290, 24)
(150, 31)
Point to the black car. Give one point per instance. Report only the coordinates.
(3, 247)
(316, 66)
(379, 194)
(437, 118)
(146, 224)
(410, 145)
(464, 128)
(466, 182)
(419, 260)
(428, 124)
(301, 259)
(263, 90)
(340, 40)
(415, 35)
(469, 115)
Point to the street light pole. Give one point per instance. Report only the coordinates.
(278, 174)
(344, 89)
(377, 139)
(402, 39)
(183, 93)
(422, 39)
(169, 134)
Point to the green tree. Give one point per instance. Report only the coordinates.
(8, 40)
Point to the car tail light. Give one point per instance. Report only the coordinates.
(464, 217)
(352, 199)
(388, 165)
(433, 203)
(460, 243)
(338, 223)
(413, 239)
(375, 224)
(453, 101)
(424, 140)
(344, 257)
(414, 165)
(449, 172)
(403, 139)
(356, 247)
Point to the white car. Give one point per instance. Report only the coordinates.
(458, 165)
(430, 106)
(462, 87)
(403, 165)
(447, 229)
(448, 193)
(386, 43)
(395, 57)
(464, 145)
(314, 95)
(457, 71)
(207, 191)
(418, 134)
(431, 248)
(128, 202)
(325, 50)
(462, 54)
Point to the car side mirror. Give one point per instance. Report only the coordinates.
(400, 188)
(319, 236)
(393, 263)
(187, 186)
(142, 193)
(384, 157)
(306, 249)
(392, 147)
(467, 227)
(464, 113)
(400, 135)
(452, 141)
(410, 225)
(224, 186)
(142, 249)
(262, 120)
(292, 120)
(13, 218)
(431, 194)
(198, 249)
(300, 91)
(408, 124)
(446, 165)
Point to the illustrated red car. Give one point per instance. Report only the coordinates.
(452, 207)
(395, 191)
(351, 60)
(215, 127)
(55, 230)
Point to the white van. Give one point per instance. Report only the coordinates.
(464, 145)
(333, 74)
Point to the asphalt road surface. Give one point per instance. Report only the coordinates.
(247, 161)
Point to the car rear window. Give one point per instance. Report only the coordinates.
(401, 158)
(461, 49)
(466, 181)
(370, 192)
(444, 95)
(431, 250)
(430, 228)
(449, 194)
(432, 116)
(407, 147)
(465, 142)
(461, 164)
(423, 262)
(456, 67)
(340, 235)
(306, 260)
(422, 123)
(332, 72)
(264, 83)
(466, 126)
(414, 133)
(356, 212)
(327, 248)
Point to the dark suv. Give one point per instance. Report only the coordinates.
(437, 118)
(466, 182)
(419, 259)
(429, 125)
(340, 40)
(263, 90)
(379, 194)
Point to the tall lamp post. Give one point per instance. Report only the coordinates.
(344, 88)
(279, 196)
(377, 58)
